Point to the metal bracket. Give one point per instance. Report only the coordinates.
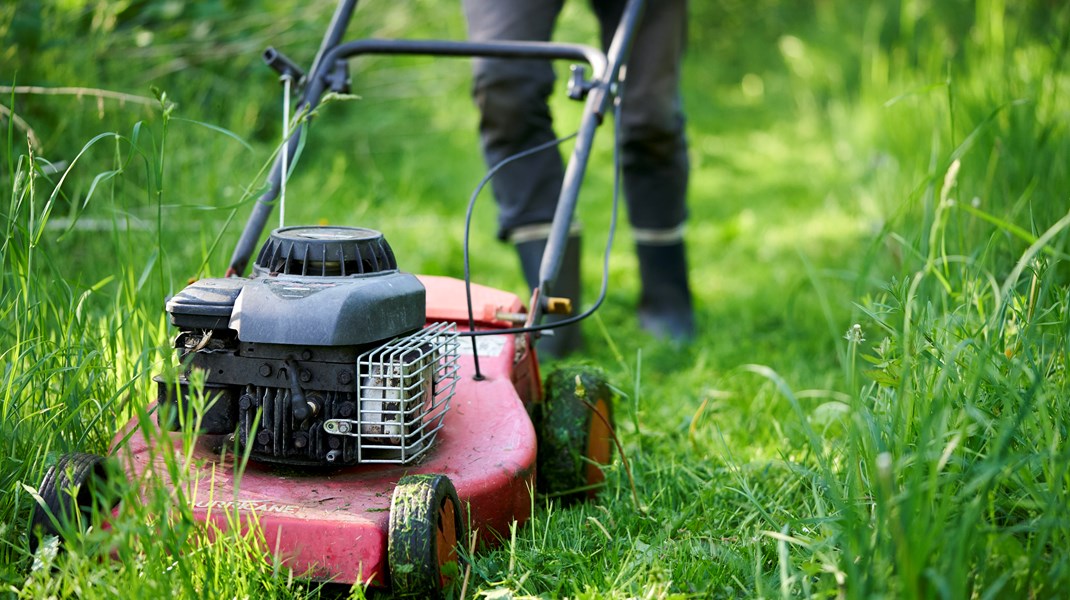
(337, 79)
(342, 427)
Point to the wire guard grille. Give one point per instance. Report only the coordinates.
(404, 391)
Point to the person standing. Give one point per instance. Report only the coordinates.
(512, 98)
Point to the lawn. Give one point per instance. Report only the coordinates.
(875, 405)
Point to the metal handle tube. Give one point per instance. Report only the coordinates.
(502, 49)
(597, 102)
(317, 85)
(262, 209)
(343, 13)
(339, 22)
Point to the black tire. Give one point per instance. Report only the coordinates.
(574, 443)
(70, 490)
(426, 527)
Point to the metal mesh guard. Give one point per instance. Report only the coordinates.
(404, 390)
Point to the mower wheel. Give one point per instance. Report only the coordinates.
(69, 491)
(425, 528)
(575, 443)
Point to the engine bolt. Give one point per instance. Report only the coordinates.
(345, 378)
(263, 438)
(306, 376)
(265, 370)
(300, 440)
(334, 443)
(245, 402)
(346, 409)
(306, 355)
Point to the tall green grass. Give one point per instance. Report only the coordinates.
(78, 366)
(902, 166)
(933, 463)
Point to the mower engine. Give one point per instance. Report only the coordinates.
(320, 358)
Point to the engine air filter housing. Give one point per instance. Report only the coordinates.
(325, 251)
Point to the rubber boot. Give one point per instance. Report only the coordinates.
(665, 308)
(560, 341)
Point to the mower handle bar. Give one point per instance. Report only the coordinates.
(606, 67)
(317, 86)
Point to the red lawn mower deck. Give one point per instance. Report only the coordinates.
(334, 524)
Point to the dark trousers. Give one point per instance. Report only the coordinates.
(512, 97)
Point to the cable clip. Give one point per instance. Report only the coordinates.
(578, 84)
(337, 79)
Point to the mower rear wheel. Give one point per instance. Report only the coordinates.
(575, 442)
(69, 492)
(425, 528)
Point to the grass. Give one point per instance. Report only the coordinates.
(899, 166)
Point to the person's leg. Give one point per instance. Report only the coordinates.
(654, 161)
(514, 115)
(512, 99)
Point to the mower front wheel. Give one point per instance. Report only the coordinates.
(425, 527)
(69, 492)
(574, 426)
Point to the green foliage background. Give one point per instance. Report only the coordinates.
(900, 165)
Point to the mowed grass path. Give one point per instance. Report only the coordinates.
(837, 153)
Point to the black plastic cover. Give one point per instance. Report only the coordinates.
(205, 304)
(337, 311)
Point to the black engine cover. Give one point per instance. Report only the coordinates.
(284, 344)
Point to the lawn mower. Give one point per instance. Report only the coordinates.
(371, 421)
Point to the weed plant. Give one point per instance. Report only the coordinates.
(875, 405)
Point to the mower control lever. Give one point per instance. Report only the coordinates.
(558, 306)
(283, 65)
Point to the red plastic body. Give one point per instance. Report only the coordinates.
(332, 525)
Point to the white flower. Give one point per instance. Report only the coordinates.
(854, 334)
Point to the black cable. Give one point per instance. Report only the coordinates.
(468, 228)
(605, 258)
